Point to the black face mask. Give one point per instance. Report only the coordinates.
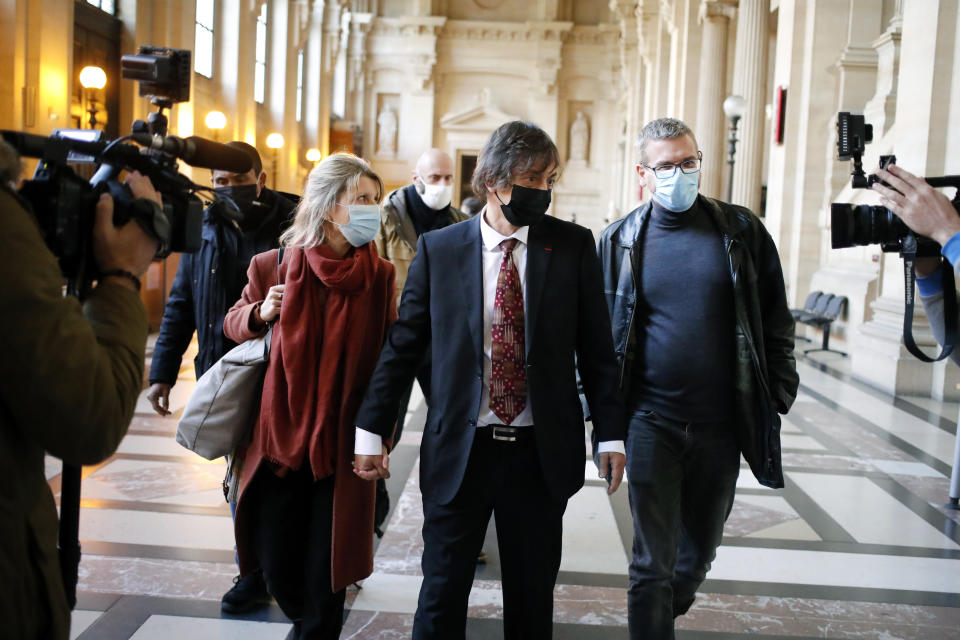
(243, 196)
(527, 206)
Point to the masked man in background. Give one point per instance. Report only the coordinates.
(246, 219)
(408, 213)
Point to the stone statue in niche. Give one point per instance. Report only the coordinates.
(579, 135)
(387, 138)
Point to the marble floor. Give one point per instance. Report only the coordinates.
(858, 544)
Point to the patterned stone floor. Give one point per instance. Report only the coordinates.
(858, 544)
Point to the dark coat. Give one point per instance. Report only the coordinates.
(567, 326)
(397, 240)
(765, 380)
(69, 381)
(207, 283)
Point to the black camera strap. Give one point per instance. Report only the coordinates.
(909, 254)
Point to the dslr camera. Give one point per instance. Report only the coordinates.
(63, 202)
(865, 224)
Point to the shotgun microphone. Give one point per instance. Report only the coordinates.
(199, 152)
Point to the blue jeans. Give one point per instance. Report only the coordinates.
(682, 479)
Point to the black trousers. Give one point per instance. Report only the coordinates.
(505, 479)
(294, 531)
(682, 479)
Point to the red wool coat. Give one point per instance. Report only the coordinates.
(353, 498)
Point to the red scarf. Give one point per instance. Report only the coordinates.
(324, 349)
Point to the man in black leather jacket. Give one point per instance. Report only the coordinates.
(704, 340)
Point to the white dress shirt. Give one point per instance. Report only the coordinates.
(492, 254)
(370, 444)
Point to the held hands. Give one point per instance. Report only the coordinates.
(372, 467)
(612, 463)
(270, 308)
(159, 397)
(923, 208)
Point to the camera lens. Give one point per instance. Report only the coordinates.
(860, 225)
(840, 225)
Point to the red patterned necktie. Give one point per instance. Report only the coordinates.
(508, 380)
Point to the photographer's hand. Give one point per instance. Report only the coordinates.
(924, 209)
(141, 187)
(126, 248)
(926, 266)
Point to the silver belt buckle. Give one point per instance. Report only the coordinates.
(505, 434)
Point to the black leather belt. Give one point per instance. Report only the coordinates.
(503, 433)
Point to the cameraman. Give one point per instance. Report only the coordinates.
(69, 380)
(929, 213)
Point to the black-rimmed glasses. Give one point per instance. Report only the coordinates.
(665, 171)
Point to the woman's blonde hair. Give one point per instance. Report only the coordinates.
(329, 180)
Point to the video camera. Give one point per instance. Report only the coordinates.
(64, 203)
(865, 224)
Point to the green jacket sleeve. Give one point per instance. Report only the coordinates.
(71, 376)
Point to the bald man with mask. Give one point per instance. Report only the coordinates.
(408, 213)
(411, 211)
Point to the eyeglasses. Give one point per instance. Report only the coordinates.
(665, 171)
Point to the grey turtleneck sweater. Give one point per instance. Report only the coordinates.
(684, 319)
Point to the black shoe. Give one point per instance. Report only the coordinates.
(247, 593)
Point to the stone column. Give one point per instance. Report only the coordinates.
(880, 110)
(631, 100)
(12, 58)
(314, 91)
(689, 43)
(543, 95)
(277, 101)
(711, 122)
(749, 81)
(330, 49)
(356, 66)
(648, 31)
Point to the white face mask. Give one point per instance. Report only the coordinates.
(435, 196)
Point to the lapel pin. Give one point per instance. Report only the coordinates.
(547, 249)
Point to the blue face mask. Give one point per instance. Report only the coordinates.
(678, 192)
(363, 226)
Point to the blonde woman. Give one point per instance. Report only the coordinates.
(303, 517)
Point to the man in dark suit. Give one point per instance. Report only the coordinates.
(512, 303)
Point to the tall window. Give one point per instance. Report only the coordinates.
(104, 5)
(203, 41)
(299, 85)
(260, 71)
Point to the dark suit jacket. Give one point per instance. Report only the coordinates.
(567, 323)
